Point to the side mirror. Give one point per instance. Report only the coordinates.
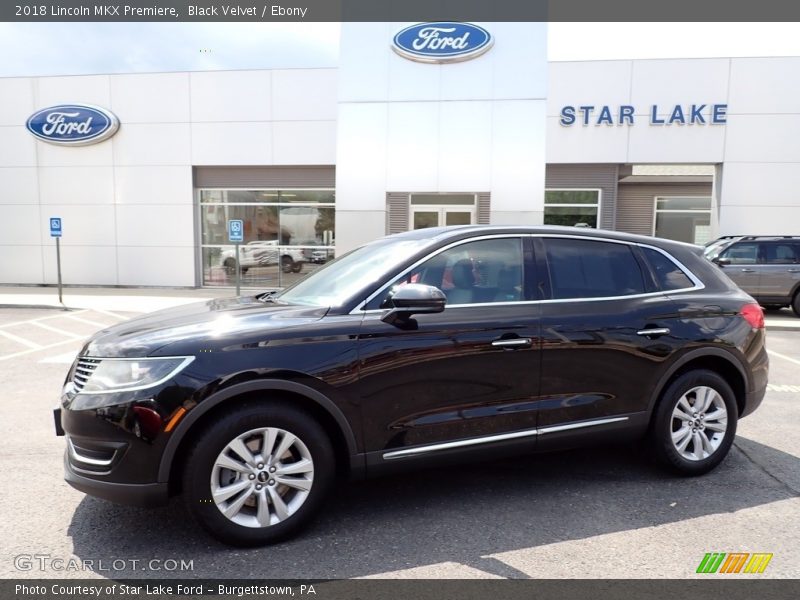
(414, 299)
(722, 262)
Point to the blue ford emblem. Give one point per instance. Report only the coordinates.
(73, 124)
(442, 42)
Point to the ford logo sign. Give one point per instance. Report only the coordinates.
(442, 42)
(73, 124)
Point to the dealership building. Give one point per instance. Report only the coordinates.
(320, 160)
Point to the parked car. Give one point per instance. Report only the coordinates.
(321, 256)
(414, 350)
(766, 267)
(263, 253)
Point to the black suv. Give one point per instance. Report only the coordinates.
(766, 267)
(415, 349)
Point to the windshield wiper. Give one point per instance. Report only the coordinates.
(268, 296)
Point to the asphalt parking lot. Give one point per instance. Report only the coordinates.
(590, 513)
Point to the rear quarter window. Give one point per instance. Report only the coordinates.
(668, 275)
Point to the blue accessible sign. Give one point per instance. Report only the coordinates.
(235, 231)
(55, 226)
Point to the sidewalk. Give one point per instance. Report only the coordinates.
(113, 299)
(150, 299)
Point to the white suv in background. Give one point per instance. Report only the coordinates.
(262, 253)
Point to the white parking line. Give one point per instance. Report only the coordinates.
(20, 340)
(24, 352)
(56, 330)
(61, 359)
(110, 314)
(27, 322)
(784, 357)
(87, 321)
(774, 387)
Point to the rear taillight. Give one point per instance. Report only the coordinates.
(754, 315)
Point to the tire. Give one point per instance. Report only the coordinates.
(287, 264)
(297, 267)
(244, 270)
(773, 306)
(696, 457)
(230, 267)
(255, 517)
(796, 303)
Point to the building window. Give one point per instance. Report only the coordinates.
(439, 210)
(573, 208)
(685, 219)
(287, 233)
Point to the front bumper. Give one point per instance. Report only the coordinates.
(137, 494)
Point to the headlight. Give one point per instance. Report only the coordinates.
(127, 374)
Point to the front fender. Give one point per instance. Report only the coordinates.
(260, 385)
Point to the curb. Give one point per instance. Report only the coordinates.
(48, 306)
(783, 328)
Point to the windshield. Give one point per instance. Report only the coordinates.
(338, 281)
(714, 248)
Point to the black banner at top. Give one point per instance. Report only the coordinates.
(396, 10)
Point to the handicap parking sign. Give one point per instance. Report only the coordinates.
(235, 231)
(55, 226)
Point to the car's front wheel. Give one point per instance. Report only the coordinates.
(796, 303)
(695, 423)
(258, 474)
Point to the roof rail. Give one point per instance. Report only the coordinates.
(757, 237)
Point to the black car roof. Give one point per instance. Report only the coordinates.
(436, 234)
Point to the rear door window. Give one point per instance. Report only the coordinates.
(592, 269)
(780, 253)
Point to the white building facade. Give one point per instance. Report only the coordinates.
(317, 161)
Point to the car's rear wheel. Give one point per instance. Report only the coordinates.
(297, 267)
(258, 474)
(695, 423)
(287, 264)
(230, 266)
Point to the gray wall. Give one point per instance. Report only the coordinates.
(636, 203)
(602, 176)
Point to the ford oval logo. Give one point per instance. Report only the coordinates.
(442, 42)
(73, 124)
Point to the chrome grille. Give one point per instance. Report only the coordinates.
(82, 371)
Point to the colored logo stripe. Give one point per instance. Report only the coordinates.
(734, 563)
(758, 563)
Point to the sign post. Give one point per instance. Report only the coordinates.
(236, 236)
(55, 231)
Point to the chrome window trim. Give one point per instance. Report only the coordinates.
(698, 284)
(406, 452)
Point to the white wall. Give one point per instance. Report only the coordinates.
(757, 148)
(473, 126)
(127, 203)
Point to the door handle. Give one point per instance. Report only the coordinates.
(748, 270)
(512, 343)
(653, 332)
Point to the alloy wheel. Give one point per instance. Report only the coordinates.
(262, 477)
(699, 422)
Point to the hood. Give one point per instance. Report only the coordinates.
(198, 326)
